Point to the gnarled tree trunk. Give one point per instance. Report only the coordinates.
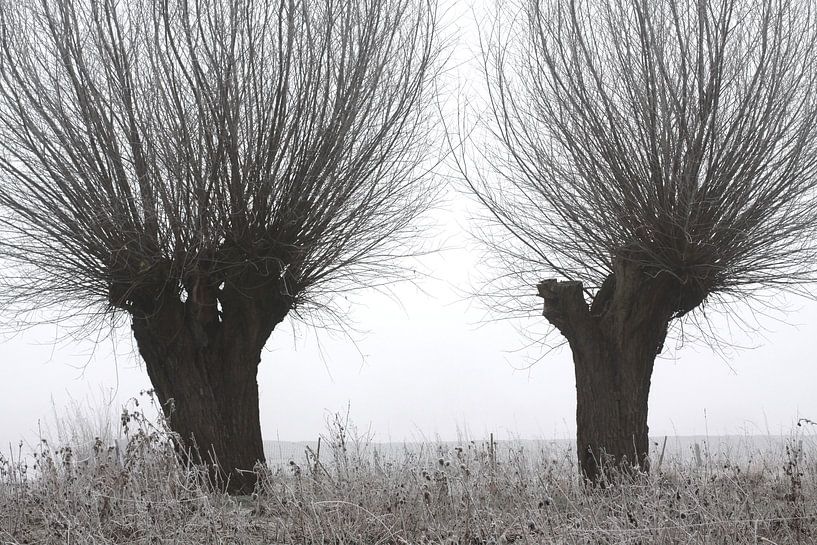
(202, 361)
(615, 341)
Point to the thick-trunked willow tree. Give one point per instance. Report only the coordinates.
(207, 167)
(655, 155)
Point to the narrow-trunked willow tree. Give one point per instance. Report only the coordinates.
(208, 167)
(655, 156)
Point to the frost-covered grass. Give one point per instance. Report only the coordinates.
(351, 492)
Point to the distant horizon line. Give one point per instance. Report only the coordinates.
(546, 440)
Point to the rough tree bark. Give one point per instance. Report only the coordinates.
(202, 357)
(615, 341)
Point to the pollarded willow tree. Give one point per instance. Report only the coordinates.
(655, 156)
(208, 167)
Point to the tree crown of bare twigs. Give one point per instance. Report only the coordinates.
(678, 134)
(153, 143)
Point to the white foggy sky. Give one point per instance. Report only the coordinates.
(429, 366)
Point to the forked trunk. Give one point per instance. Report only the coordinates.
(202, 361)
(615, 342)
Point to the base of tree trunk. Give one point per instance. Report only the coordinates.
(226, 441)
(611, 423)
(216, 418)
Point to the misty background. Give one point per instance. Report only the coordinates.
(428, 361)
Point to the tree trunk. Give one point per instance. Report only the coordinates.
(611, 409)
(615, 342)
(210, 398)
(203, 361)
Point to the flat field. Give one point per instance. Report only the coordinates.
(349, 490)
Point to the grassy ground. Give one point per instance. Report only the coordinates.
(473, 493)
